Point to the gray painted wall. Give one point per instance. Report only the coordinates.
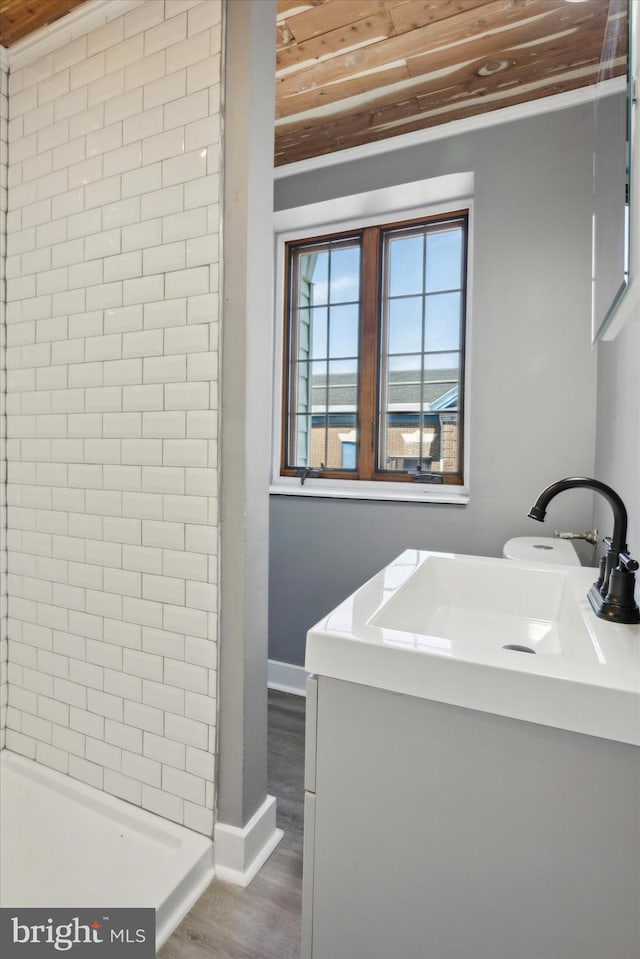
(533, 386)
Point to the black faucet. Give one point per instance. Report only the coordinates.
(612, 596)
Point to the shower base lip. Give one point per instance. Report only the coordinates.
(65, 843)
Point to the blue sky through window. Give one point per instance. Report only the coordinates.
(335, 284)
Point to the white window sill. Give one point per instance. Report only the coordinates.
(353, 489)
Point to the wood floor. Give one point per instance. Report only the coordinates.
(263, 920)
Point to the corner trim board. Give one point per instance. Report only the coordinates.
(241, 852)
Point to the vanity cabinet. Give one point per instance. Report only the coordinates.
(434, 831)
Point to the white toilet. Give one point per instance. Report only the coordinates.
(541, 549)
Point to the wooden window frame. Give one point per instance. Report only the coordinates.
(370, 336)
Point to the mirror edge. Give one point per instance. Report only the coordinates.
(628, 298)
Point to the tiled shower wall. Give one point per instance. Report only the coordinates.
(4, 114)
(112, 325)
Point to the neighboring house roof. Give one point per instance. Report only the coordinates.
(439, 390)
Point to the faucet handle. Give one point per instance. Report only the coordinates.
(631, 565)
(590, 536)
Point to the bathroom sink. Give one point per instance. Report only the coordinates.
(507, 637)
(493, 603)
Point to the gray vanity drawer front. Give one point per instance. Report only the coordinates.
(442, 832)
(310, 735)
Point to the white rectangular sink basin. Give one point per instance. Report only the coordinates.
(443, 626)
(465, 599)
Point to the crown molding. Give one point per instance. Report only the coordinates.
(559, 101)
(75, 24)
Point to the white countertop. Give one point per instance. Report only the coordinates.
(433, 625)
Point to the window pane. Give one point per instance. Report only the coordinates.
(428, 444)
(345, 275)
(343, 399)
(318, 333)
(421, 360)
(302, 440)
(404, 384)
(449, 449)
(406, 264)
(411, 389)
(441, 382)
(405, 325)
(311, 437)
(338, 394)
(318, 376)
(443, 315)
(411, 362)
(444, 260)
(313, 278)
(341, 432)
(407, 443)
(343, 335)
(312, 333)
(343, 382)
(447, 362)
(302, 386)
(324, 342)
(304, 335)
(349, 450)
(441, 394)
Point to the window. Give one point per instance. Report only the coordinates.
(373, 384)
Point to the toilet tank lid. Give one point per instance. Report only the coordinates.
(541, 549)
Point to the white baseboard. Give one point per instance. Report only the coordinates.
(287, 678)
(241, 852)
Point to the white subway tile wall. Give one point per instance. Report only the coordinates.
(26, 338)
(112, 366)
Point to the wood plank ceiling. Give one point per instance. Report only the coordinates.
(351, 72)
